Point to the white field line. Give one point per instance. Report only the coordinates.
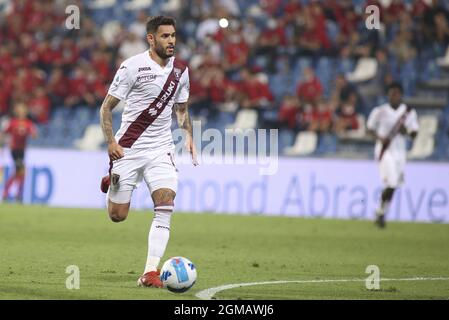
(208, 294)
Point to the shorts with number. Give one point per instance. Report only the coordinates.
(158, 171)
(392, 170)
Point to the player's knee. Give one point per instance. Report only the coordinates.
(115, 217)
(163, 197)
(117, 214)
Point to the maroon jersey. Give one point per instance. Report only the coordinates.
(20, 130)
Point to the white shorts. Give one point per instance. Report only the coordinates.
(158, 171)
(392, 170)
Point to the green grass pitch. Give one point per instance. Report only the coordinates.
(38, 243)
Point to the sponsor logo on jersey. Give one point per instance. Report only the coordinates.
(146, 78)
(143, 69)
(177, 72)
(153, 111)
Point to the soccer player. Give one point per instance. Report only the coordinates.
(151, 83)
(390, 124)
(19, 128)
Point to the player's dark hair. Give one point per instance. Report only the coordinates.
(154, 22)
(394, 85)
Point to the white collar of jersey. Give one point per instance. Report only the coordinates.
(167, 66)
(401, 106)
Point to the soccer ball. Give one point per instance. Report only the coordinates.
(178, 274)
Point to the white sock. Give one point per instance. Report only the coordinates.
(158, 236)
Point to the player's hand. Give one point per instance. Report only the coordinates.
(115, 151)
(190, 146)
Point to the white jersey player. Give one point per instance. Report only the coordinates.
(151, 84)
(391, 123)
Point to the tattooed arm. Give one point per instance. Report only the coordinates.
(115, 151)
(183, 117)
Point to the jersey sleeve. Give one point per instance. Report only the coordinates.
(184, 88)
(411, 123)
(122, 83)
(373, 120)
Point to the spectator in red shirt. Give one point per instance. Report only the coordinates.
(313, 40)
(289, 112)
(270, 40)
(318, 117)
(199, 98)
(77, 86)
(291, 8)
(39, 106)
(57, 87)
(19, 129)
(5, 92)
(236, 50)
(310, 89)
(346, 116)
(254, 92)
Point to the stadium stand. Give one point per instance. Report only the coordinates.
(310, 68)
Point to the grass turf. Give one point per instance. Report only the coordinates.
(38, 243)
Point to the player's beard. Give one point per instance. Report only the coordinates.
(162, 52)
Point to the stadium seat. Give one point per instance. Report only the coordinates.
(424, 144)
(423, 147)
(171, 6)
(428, 124)
(138, 4)
(365, 70)
(305, 144)
(444, 61)
(101, 4)
(111, 31)
(245, 119)
(92, 140)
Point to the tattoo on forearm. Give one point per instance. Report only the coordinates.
(183, 117)
(106, 117)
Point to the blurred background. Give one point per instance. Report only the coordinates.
(310, 68)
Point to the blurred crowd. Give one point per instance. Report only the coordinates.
(265, 55)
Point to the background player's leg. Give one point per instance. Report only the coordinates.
(387, 196)
(8, 185)
(390, 178)
(18, 162)
(20, 173)
(21, 182)
(160, 228)
(385, 201)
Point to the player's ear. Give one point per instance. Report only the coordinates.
(150, 39)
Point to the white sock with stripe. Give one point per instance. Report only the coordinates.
(158, 236)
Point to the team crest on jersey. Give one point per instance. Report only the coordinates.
(115, 179)
(177, 72)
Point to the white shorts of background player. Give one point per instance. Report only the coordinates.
(391, 169)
